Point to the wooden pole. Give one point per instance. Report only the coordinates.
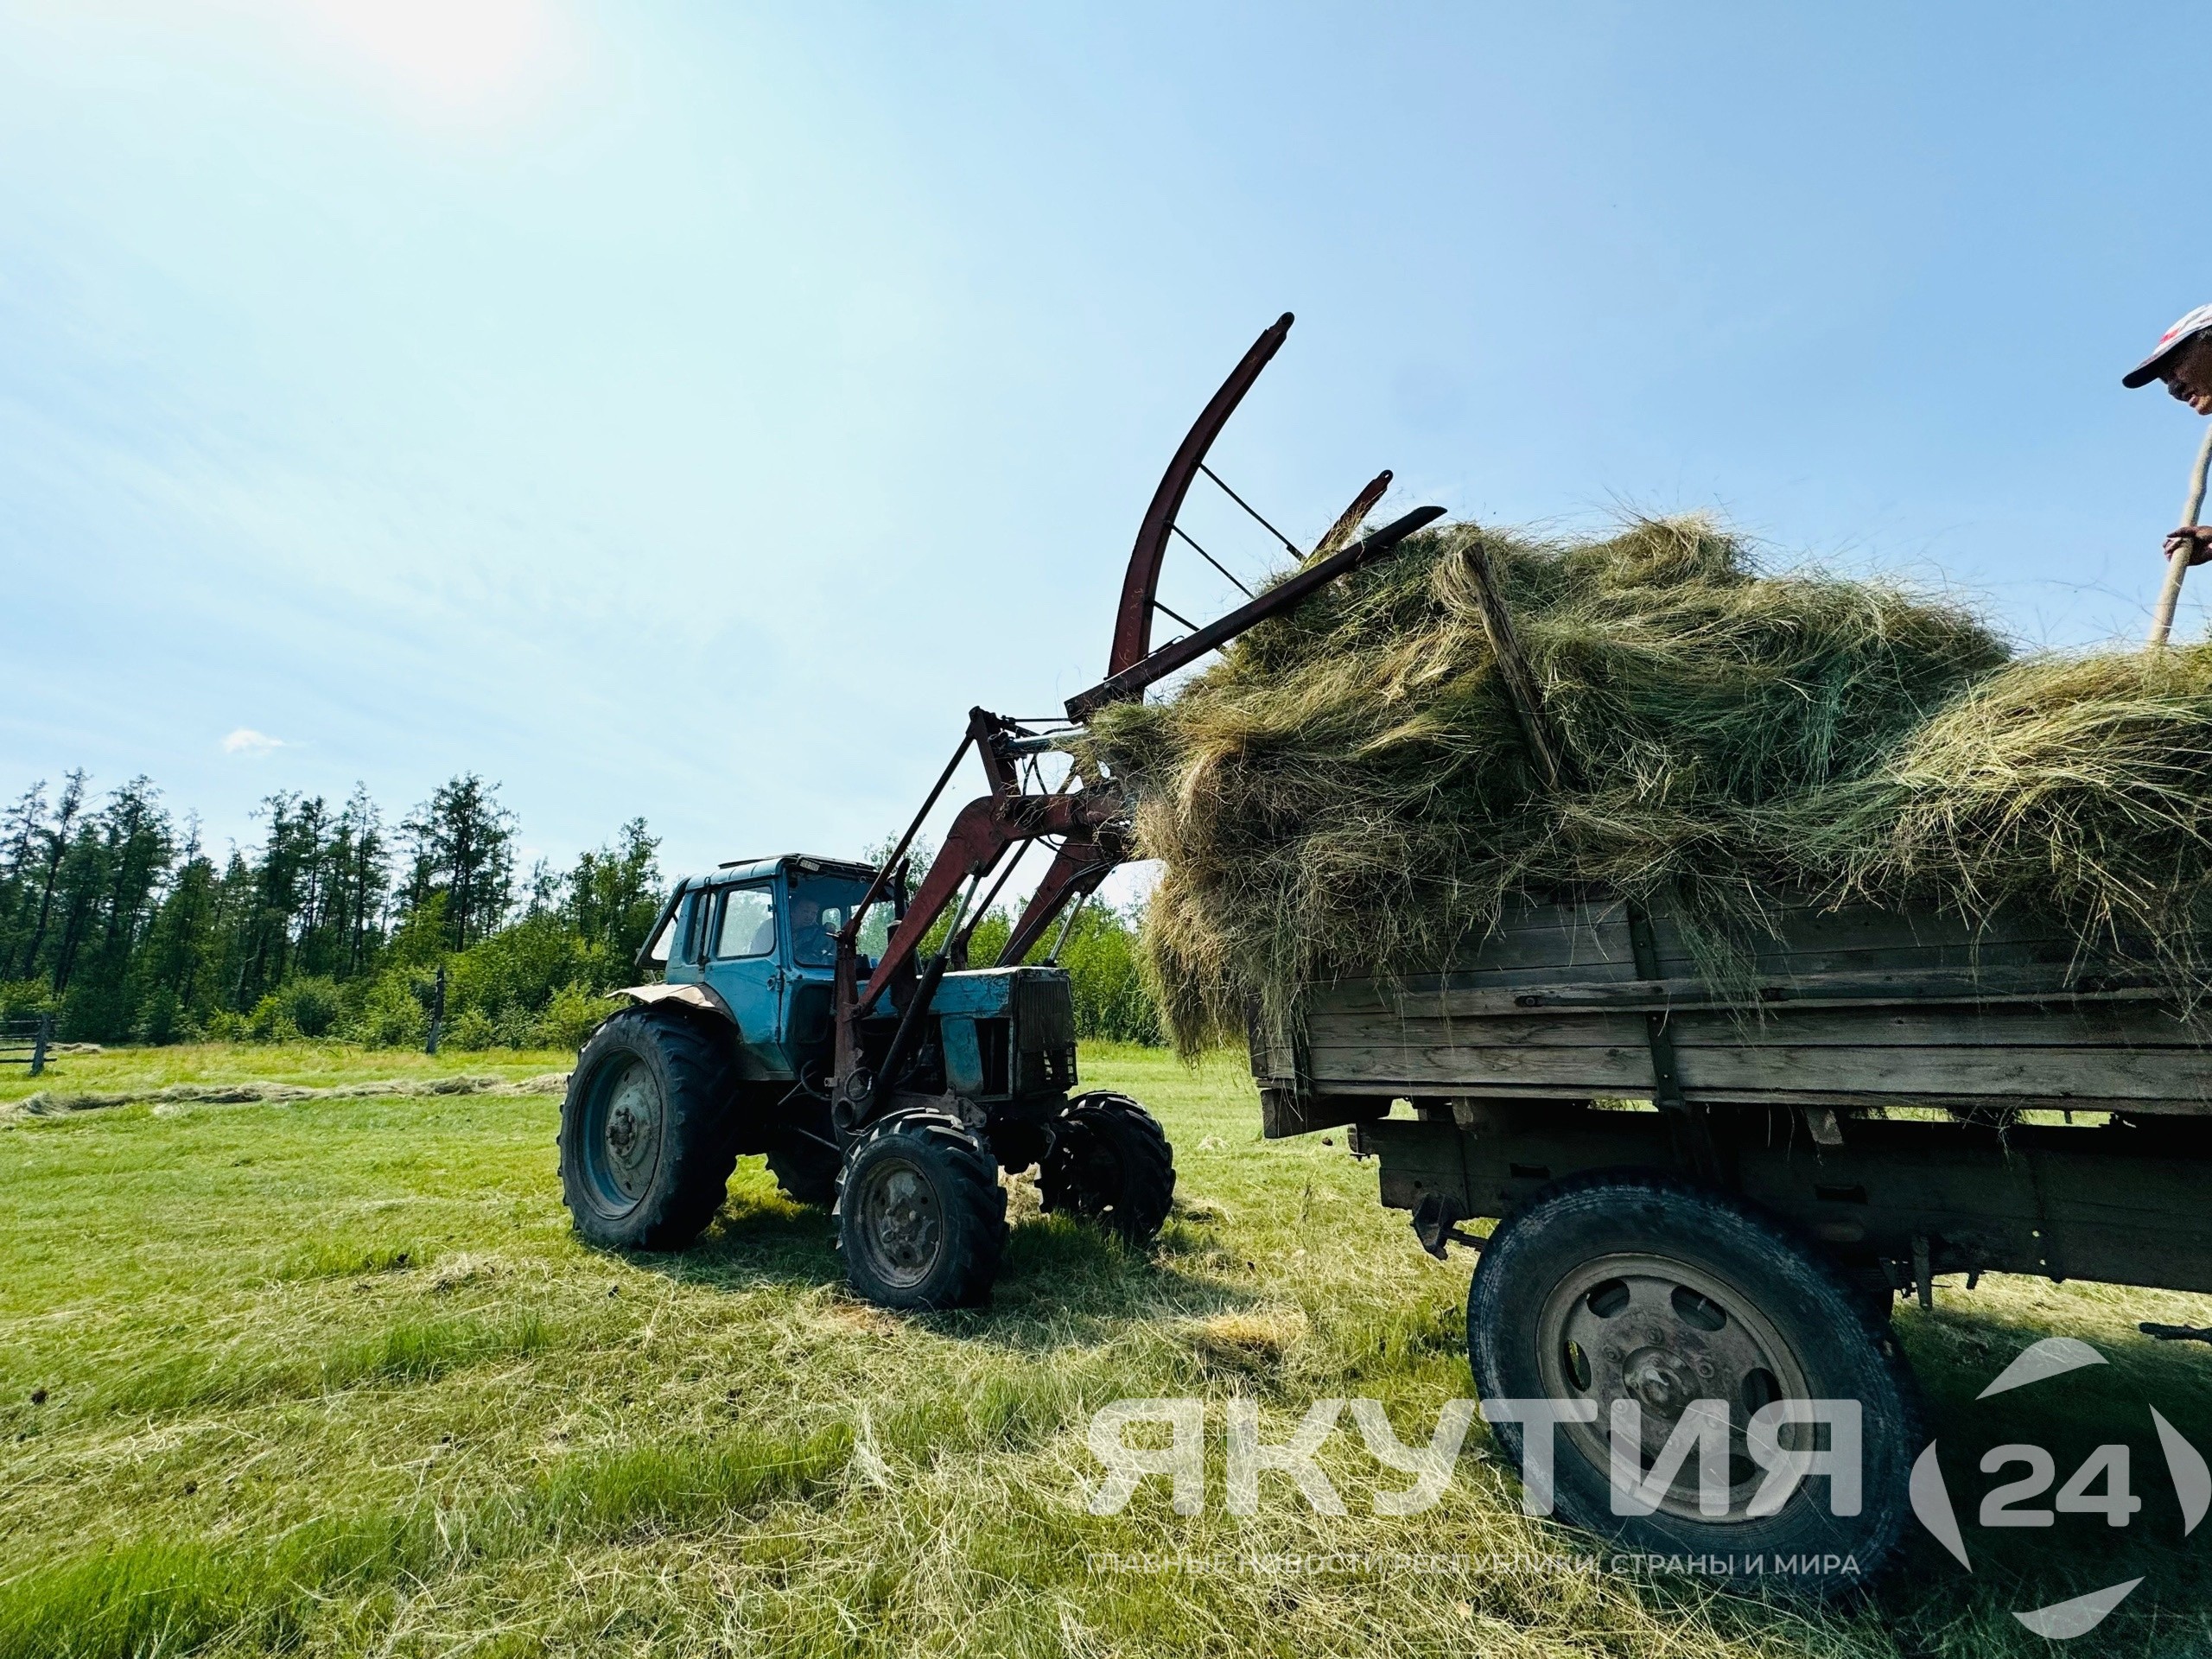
(1513, 670)
(2161, 621)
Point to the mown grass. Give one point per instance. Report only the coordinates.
(310, 1065)
(332, 1377)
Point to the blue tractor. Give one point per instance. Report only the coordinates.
(734, 1052)
(799, 1014)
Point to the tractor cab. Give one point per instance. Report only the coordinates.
(758, 937)
(759, 940)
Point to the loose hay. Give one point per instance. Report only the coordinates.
(1351, 788)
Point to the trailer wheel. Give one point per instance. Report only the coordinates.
(921, 1216)
(1111, 1163)
(807, 1173)
(1629, 1286)
(645, 1148)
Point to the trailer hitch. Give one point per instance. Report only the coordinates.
(1436, 1224)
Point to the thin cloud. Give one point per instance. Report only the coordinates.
(251, 744)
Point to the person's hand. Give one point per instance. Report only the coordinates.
(2197, 538)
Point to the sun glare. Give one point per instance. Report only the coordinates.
(458, 53)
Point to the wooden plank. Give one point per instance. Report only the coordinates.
(1855, 1008)
(1453, 1068)
(2126, 1028)
(1563, 1029)
(1791, 926)
(1862, 938)
(2024, 1076)
(1993, 987)
(2019, 1077)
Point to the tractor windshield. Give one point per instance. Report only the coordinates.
(820, 908)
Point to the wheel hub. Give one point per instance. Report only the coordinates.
(902, 1223)
(624, 1152)
(1664, 1334)
(1659, 1380)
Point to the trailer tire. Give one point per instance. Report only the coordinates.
(646, 1145)
(1110, 1163)
(807, 1173)
(1629, 1284)
(921, 1216)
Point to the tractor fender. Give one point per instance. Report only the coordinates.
(701, 997)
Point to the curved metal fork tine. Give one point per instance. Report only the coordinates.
(1353, 517)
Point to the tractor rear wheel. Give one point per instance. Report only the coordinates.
(921, 1216)
(1111, 1163)
(645, 1143)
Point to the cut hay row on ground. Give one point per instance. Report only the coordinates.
(333, 1377)
(1351, 788)
(52, 1103)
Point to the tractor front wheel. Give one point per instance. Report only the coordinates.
(1111, 1163)
(645, 1144)
(921, 1216)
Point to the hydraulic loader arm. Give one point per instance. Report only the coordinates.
(1087, 815)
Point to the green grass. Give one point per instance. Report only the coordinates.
(332, 1377)
(313, 1066)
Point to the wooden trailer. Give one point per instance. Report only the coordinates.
(1880, 1099)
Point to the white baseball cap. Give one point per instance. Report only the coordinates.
(2169, 342)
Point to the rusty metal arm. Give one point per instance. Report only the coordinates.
(1133, 620)
(979, 838)
(1131, 681)
(1074, 873)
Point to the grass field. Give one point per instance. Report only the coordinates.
(331, 1377)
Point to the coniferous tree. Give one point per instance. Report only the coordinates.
(131, 930)
(464, 848)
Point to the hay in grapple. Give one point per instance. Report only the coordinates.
(1351, 788)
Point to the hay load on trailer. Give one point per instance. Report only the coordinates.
(1354, 786)
(1751, 948)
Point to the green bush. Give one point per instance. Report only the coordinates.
(1111, 998)
(21, 998)
(271, 1020)
(520, 967)
(314, 1004)
(471, 1029)
(391, 1015)
(571, 1017)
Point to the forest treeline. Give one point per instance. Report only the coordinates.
(117, 920)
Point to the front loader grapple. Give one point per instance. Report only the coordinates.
(820, 1012)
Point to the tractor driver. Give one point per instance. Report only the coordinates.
(814, 939)
(2182, 359)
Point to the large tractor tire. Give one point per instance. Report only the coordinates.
(646, 1147)
(1110, 1163)
(1633, 1286)
(806, 1172)
(921, 1216)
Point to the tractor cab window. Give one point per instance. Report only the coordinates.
(821, 905)
(747, 926)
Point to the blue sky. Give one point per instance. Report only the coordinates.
(689, 410)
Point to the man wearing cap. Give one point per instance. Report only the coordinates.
(2182, 359)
